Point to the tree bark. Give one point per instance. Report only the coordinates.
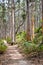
(13, 23)
(28, 22)
(32, 28)
(42, 20)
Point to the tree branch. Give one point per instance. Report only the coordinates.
(19, 27)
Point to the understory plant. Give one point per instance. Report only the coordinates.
(38, 36)
(3, 47)
(9, 40)
(20, 37)
(28, 47)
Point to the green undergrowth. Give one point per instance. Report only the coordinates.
(9, 40)
(3, 47)
(20, 37)
(30, 46)
(38, 36)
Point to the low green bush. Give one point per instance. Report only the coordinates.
(9, 40)
(38, 40)
(30, 47)
(38, 36)
(20, 37)
(39, 29)
(40, 48)
(3, 47)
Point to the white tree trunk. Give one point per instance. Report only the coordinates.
(13, 32)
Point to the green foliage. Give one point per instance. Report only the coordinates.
(28, 47)
(9, 40)
(20, 37)
(23, 15)
(18, 1)
(3, 47)
(38, 36)
(39, 48)
(39, 29)
(0, 8)
(37, 40)
(3, 13)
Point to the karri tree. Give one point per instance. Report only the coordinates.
(28, 22)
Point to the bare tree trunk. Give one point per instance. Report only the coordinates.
(28, 22)
(13, 23)
(4, 20)
(32, 27)
(42, 20)
(32, 20)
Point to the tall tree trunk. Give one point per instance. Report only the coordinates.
(28, 22)
(32, 27)
(19, 14)
(13, 23)
(32, 21)
(42, 20)
(4, 20)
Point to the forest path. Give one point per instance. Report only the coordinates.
(14, 57)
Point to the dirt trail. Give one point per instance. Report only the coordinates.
(14, 57)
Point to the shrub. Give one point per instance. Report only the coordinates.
(38, 36)
(40, 48)
(20, 37)
(31, 46)
(28, 47)
(39, 29)
(38, 40)
(3, 47)
(9, 40)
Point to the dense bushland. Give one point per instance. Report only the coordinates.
(30, 46)
(3, 46)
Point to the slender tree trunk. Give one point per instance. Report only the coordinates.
(28, 22)
(32, 21)
(19, 14)
(32, 27)
(4, 20)
(42, 20)
(13, 23)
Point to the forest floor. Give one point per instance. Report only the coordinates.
(13, 57)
